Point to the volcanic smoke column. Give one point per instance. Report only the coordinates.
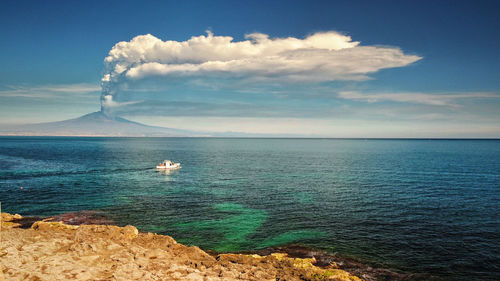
(121, 58)
(107, 93)
(110, 83)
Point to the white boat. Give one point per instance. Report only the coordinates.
(168, 165)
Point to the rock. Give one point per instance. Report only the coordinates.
(111, 232)
(82, 217)
(281, 266)
(58, 251)
(52, 226)
(9, 221)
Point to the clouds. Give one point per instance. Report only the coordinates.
(320, 57)
(50, 91)
(45, 103)
(419, 98)
(323, 56)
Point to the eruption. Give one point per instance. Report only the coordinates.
(320, 57)
(110, 83)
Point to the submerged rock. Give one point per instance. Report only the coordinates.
(82, 217)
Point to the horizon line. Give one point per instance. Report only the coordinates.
(242, 137)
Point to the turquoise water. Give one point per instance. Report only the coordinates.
(414, 205)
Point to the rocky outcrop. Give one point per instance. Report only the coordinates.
(10, 221)
(282, 267)
(57, 251)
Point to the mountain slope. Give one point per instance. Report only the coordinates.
(95, 124)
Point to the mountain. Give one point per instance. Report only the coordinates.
(96, 124)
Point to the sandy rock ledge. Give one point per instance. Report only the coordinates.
(57, 251)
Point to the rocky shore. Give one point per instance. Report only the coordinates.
(61, 248)
(57, 251)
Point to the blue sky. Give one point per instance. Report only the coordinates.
(52, 62)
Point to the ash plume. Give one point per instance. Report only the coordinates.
(319, 57)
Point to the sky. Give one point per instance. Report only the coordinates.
(410, 69)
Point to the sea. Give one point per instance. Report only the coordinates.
(409, 205)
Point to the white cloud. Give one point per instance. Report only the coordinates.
(50, 91)
(322, 56)
(419, 98)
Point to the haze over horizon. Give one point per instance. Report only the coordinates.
(326, 69)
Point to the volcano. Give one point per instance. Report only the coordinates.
(96, 124)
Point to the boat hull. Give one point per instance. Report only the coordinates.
(173, 167)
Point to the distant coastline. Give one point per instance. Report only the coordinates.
(99, 124)
(243, 137)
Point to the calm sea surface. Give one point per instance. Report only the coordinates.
(413, 205)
